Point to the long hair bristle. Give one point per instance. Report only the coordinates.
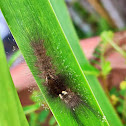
(43, 62)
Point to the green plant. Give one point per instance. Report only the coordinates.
(107, 37)
(11, 112)
(42, 20)
(116, 96)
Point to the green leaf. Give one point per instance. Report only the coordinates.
(94, 84)
(106, 68)
(11, 112)
(120, 109)
(49, 21)
(106, 36)
(31, 108)
(33, 119)
(43, 115)
(114, 91)
(122, 92)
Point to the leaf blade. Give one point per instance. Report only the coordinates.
(44, 25)
(11, 112)
(107, 108)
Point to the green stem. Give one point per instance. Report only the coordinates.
(117, 48)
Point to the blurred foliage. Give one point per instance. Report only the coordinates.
(100, 59)
(116, 96)
(97, 25)
(118, 99)
(40, 115)
(107, 37)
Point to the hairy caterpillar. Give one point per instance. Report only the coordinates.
(55, 83)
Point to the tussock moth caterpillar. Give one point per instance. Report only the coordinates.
(56, 84)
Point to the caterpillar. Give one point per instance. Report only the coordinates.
(55, 83)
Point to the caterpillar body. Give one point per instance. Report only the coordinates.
(55, 83)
